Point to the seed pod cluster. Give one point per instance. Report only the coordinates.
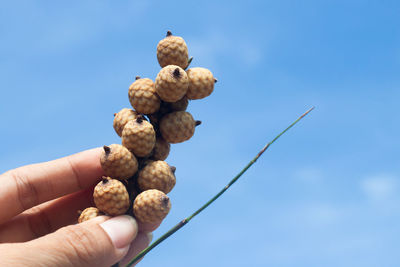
(137, 177)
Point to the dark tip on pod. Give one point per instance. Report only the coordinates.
(169, 33)
(107, 149)
(137, 77)
(139, 118)
(198, 123)
(104, 180)
(177, 73)
(115, 114)
(165, 201)
(173, 169)
(215, 80)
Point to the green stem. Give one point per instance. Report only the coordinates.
(186, 220)
(188, 63)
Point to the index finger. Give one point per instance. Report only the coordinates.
(28, 186)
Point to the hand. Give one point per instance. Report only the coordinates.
(38, 212)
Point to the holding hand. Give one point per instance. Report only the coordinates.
(38, 212)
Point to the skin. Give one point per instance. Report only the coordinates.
(38, 215)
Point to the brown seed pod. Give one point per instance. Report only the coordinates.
(171, 83)
(89, 213)
(151, 206)
(118, 162)
(143, 96)
(157, 175)
(201, 83)
(111, 197)
(177, 127)
(172, 50)
(139, 137)
(121, 119)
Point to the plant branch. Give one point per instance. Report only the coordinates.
(186, 220)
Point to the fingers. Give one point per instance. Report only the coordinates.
(141, 242)
(50, 216)
(46, 218)
(148, 227)
(28, 186)
(97, 242)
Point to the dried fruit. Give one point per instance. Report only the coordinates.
(201, 83)
(121, 119)
(139, 137)
(151, 206)
(171, 83)
(172, 50)
(143, 96)
(157, 175)
(111, 197)
(118, 162)
(177, 127)
(89, 213)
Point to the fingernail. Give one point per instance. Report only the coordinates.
(150, 237)
(121, 230)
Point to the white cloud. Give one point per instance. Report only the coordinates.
(309, 175)
(317, 215)
(323, 214)
(380, 187)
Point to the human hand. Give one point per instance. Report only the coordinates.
(38, 212)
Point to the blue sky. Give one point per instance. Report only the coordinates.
(326, 194)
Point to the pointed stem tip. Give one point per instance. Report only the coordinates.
(137, 77)
(169, 33)
(188, 63)
(198, 123)
(104, 180)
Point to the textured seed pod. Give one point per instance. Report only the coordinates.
(171, 83)
(122, 117)
(161, 149)
(139, 137)
(201, 83)
(151, 206)
(172, 50)
(157, 175)
(177, 127)
(143, 96)
(89, 213)
(118, 162)
(111, 197)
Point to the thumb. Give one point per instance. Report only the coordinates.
(97, 242)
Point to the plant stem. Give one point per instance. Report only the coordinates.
(186, 220)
